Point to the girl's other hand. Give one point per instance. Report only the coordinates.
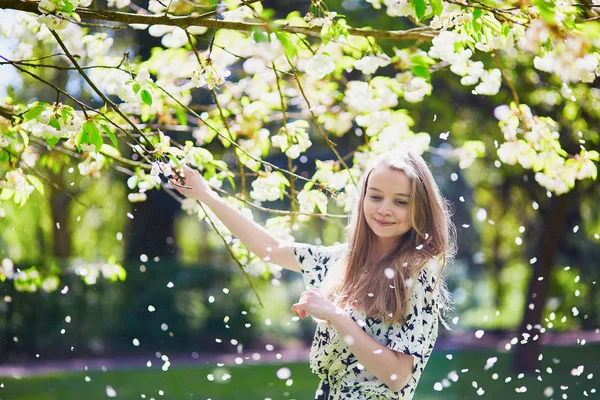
(315, 303)
(191, 184)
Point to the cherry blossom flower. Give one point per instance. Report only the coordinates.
(319, 66)
(269, 187)
(416, 90)
(209, 73)
(369, 64)
(17, 181)
(118, 3)
(309, 199)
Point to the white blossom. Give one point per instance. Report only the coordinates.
(118, 3)
(296, 132)
(399, 8)
(92, 165)
(268, 187)
(363, 98)
(416, 90)
(309, 199)
(490, 83)
(443, 46)
(319, 66)
(50, 284)
(237, 15)
(7, 268)
(17, 181)
(137, 197)
(537, 33)
(369, 64)
(47, 6)
(56, 22)
(209, 73)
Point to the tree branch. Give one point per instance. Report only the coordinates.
(421, 33)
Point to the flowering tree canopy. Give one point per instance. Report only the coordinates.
(276, 86)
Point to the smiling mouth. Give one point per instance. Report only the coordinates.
(383, 223)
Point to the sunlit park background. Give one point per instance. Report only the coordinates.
(111, 286)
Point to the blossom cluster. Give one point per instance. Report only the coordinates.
(52, 121)
(292, 139)
(533, 142)
(56, 13)
(269, 186)
(473, 72)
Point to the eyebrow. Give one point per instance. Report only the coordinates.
(397, 194)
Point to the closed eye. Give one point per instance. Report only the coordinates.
(400, 202)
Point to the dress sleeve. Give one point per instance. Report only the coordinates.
(417, 336)
(316, 261)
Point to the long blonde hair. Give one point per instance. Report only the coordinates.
(432, 236)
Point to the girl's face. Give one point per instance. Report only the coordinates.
(386, 204)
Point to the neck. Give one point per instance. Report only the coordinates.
(384, 246)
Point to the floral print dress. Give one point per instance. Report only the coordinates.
(342, 376)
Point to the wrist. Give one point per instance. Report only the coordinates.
(209, 197)
(337, 316)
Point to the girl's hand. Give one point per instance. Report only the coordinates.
(192, 185)
(315, 303)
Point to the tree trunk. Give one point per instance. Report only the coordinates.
(526, 355)
(151, 231)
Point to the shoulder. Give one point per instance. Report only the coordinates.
(431, 272)
(314, 250)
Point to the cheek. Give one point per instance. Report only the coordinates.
(403, 214)
(367, 208)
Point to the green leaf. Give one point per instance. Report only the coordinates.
(83, 136)
(146, 97)
(231, 181)
(476, 19)
(65, 113)
(260, 37)
(422, 60)
(25, 137)
(436, 6)
(420, 7)
(52, 141)
(175, 160)
(111, 135)
(95, 136)
(181, 117)
(288, 45)
(420, 71)
(68, 7)
(593, 155)
(6, 193)
(37, 183)
(54, 123)
(136, 87)
(33, 113)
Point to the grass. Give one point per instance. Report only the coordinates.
(250, 382)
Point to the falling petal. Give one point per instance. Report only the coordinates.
(284, 373)
(110, 392)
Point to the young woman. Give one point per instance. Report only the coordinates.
(377, 299)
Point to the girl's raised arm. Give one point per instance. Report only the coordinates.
(255, 237)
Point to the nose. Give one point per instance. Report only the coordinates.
(384, 210)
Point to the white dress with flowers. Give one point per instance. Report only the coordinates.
(330, 359)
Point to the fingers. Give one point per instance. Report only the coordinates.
(180, 188)
(298, 309)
